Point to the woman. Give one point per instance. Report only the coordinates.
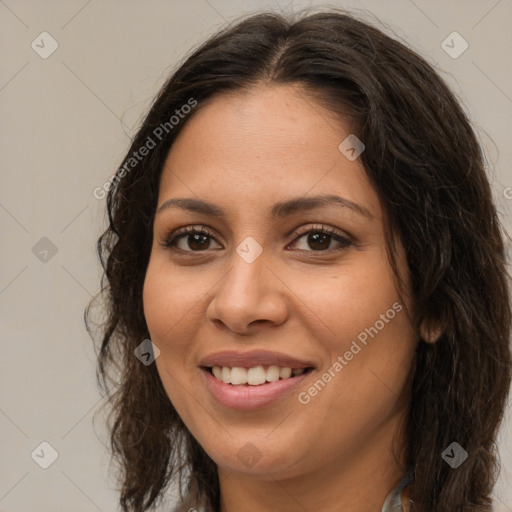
(304, 230)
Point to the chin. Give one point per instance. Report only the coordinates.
(256, 457)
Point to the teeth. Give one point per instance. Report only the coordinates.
(254, 376)
(272, 373)
(225, 374)
(285, 373)
(238, 375)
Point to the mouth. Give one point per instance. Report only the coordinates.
(259, 375)
(254, 379)
(253, 387)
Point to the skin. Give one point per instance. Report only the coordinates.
(244, 152)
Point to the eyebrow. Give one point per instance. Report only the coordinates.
(279, 210)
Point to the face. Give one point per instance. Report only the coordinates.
(274, 262)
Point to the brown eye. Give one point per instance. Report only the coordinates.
(190, 240)
(321, 239)
(197, 242)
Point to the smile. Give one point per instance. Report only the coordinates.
(245, 396)
(256, 375)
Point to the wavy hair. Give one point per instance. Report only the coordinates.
(424, 161)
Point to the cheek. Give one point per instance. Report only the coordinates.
(167, 309)
(367, 338)
(170, 315)
(159, 303)
(349, 300)
(169, 300)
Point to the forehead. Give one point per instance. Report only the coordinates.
(264, 117)
(258, 144)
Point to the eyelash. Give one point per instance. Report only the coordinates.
(173, 237)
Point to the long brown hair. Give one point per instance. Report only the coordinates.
(424, 161)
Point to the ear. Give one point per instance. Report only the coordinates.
(430, 330)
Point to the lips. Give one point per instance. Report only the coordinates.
(254, 358)
(246, 396)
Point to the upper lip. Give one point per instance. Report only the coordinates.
(232, 358)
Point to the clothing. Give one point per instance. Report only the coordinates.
(393, 502)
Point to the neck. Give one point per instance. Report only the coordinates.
(361, 484)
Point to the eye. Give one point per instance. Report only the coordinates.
(198, 239)
(319, 239)
(189, 239)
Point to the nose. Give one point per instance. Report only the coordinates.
(249, 297)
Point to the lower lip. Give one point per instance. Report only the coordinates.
(250, 397)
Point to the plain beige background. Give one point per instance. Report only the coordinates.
(66, 122)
